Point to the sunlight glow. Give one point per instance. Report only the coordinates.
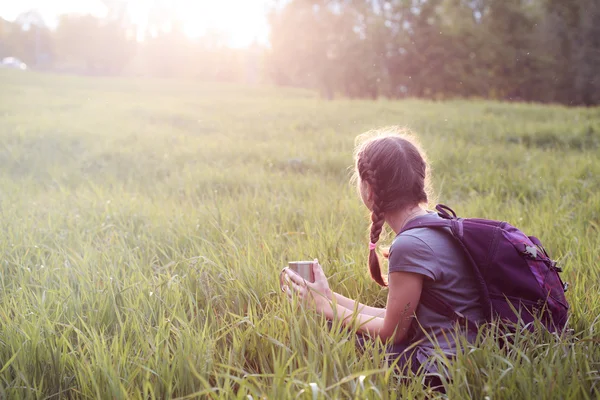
(239, 22)
(51, 9)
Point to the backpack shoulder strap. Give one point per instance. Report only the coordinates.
(455, 225)
(443, 223)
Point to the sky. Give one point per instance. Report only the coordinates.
(241, 21)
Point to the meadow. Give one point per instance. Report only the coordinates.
(143, 224)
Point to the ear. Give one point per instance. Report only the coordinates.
(369, 194)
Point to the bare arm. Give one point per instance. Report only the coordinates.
(392, 322)
(353, 304)
(403, 298)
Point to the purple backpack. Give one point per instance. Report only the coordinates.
(517, 278)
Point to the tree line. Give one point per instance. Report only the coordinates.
(526, 50)
(532, 50)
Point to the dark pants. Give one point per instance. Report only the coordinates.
(405, 359)
(399, 353)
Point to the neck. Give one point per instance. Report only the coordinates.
(396, 220)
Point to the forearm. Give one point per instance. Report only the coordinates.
(373, 326)
(367, 324)
(393, 322)
(351, 305)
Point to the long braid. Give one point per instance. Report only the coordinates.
(395, 169)
(377, 221)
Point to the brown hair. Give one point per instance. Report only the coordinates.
(394, 166)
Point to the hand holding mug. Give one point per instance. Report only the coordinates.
(316, 293)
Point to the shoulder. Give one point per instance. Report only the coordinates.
(410, 253)
(408, 241)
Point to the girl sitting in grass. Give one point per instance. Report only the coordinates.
(392, 176)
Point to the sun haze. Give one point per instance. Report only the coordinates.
(240, 22)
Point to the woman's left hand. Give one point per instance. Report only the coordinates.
(315, 294)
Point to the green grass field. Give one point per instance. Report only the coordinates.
(143, 225)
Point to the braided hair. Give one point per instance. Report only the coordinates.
(395, 169)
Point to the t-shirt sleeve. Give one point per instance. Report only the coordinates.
(411, 254)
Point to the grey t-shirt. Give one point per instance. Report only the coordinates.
(437, 256)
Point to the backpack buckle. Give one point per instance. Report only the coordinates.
(554, 266)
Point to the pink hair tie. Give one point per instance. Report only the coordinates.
(372, 246)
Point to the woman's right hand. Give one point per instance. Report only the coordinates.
(317, 293)
(320, 285)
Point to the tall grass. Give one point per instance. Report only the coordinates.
(143, 225)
